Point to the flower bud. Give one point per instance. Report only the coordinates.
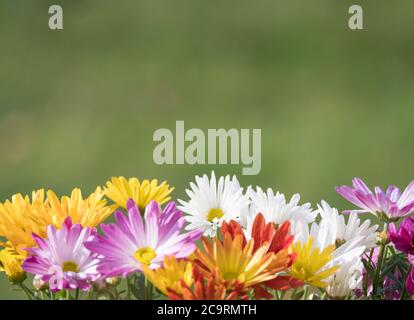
(39, 284)
(382, 238)
(114, 281)
(100, 285)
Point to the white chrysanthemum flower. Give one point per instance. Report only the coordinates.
(323, 237)
(349, 239)
(341, 231)
(212, 203)
(346, 279)
(276, 209)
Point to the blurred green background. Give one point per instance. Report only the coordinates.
(80, 105)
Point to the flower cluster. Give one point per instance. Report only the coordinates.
(223, 242)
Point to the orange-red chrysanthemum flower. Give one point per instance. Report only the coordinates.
(207, 289)
(279, 241)
(235, 263)
(278, 238)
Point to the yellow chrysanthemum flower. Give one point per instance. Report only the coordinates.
(233, 263)
(309, 263)
(120, 190)
(22, 216)
(170, 275)
(10, 263)
(88, 212)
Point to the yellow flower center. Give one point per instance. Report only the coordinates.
(230, 275)
(145, 255)
(70, 266)
(214, 213)
(303, 272)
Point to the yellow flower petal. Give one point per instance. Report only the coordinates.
(169, 276)
(11, 265)
(310, 262)
(120, 190)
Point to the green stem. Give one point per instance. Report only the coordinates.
(305, 293)
(26, 291)
(148, 289)
(292, 296)
(365, 286)
(128, 289)
(67, 295)
(379, 266)
(77, 294)
(45, 294)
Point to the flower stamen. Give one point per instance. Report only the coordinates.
(70, 266)
(145, 255)
(214, 213)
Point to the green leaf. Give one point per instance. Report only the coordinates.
(137, 292)
(368, 267)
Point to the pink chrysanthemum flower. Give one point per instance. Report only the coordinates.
(133, 241)
(390, 205)
(61, 259)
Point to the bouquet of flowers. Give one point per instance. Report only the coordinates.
(222, 243)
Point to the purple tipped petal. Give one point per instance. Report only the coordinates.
(153, 207)
(408, 196)
(170, 208)
(348, 194)
(393, 193)
(136, 224)
(131, 205)
(186, 250)
(151, 225)
(359, 184)
(195, 235)
(67, 224)
(408, 209)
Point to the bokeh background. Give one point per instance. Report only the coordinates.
(80, 105)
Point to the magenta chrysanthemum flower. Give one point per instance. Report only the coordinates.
(132, 242)
(403, 238)
(409, 282)
(61, 259)
(390, 205)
